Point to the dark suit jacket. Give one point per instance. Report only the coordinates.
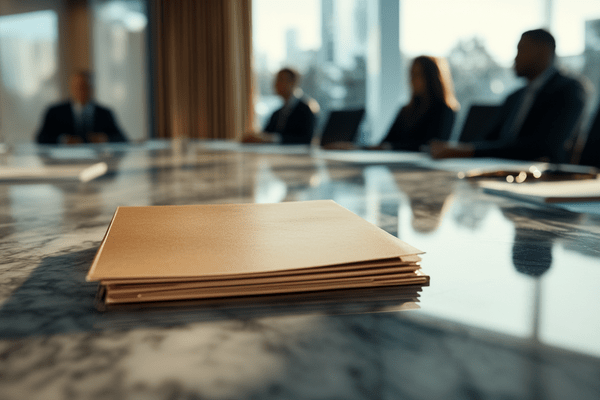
(299, 126)
(550, 122)
(59, 120)
(590, 154)
(410, 133)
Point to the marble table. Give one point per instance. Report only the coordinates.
(513, 310)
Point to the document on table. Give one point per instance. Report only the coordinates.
(166, 253)
(51, 173)
(547, 192)
(371, 156)
(471, 166)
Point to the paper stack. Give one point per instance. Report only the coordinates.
(52, 173)
(248, 251)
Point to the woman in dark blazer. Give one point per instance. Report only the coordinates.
(431, 111)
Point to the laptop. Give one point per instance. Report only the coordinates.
(342, 126)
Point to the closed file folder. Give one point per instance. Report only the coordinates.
(167, 253)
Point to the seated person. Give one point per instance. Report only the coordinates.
(535, 122)
(79, 120)
(587, 152)
(294, 123)
(431, 111)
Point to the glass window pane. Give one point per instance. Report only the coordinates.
(577, 27)
(323, 40)
(120, 62)
(28, 72)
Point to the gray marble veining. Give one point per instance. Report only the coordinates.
(512, 311)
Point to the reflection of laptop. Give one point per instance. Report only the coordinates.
(342, 126)
(479, 122)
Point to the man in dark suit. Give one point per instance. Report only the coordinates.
(588, 153)
(79, 120)
(535, 122)
(294, 123)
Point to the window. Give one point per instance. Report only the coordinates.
(120, 65)
(28, 72)
(576, 24)
(327, 41)
(324, 40)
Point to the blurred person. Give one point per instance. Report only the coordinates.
(587, 148)
(79, 120)
(294, 123)
(431, 110)
(535, 122)
(429, 114)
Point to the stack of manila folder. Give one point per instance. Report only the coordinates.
(248, 252)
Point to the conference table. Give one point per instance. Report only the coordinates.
(512, 310)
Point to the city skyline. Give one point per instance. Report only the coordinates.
(423, 31)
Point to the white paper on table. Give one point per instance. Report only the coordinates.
(52, 173)
(587, 190)
(371, 156)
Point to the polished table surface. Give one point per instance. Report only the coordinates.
(512, 312)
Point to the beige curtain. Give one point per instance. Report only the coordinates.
(203, 68)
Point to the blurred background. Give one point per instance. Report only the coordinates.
(351, 53)
(43, 42)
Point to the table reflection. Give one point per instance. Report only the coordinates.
(498, 267)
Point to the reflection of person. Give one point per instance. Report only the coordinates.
(430, 196)
(431, 110)
(536, 121)
(533, 242)
(293, 123)
(79, 120)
